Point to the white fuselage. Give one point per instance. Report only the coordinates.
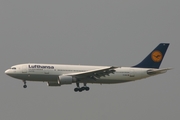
(51, 72)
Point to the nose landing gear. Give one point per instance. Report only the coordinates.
(24, 86)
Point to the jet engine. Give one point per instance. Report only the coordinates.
(65, 80)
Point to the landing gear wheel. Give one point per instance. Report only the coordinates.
(76, 89)
(24, 86)
(87, 88)
(83, 88)
(80, 89)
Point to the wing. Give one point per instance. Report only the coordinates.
(93, 74)
(158, 71)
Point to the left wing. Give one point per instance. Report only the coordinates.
(94, 74)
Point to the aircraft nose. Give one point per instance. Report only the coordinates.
(7, 72)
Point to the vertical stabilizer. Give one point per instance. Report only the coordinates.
(154, 59)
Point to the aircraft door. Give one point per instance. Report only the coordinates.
(24, 68)
(131, 74)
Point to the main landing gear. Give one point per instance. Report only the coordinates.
(24, 86)
(80, 89)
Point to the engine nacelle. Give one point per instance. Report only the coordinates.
(65, 80)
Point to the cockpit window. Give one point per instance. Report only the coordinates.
(13, 68)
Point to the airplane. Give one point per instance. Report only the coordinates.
(61, 74)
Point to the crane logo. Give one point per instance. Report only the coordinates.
(156, 56)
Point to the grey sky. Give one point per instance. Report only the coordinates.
(92, 32)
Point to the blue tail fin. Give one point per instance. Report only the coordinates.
(154, 59)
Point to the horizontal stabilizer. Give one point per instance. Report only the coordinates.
(158, 71)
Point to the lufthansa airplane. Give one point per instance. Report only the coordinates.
(60, 74)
